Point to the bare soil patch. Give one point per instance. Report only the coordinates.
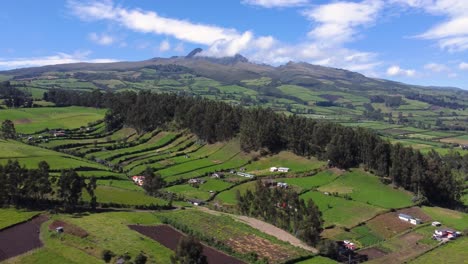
(406, 247)
(21, 238)
(372, 253)
(388, 225)
(455, 140)
(261, 246)
(69, 229)
(22, 121)
(169, 237)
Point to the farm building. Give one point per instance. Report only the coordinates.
(436, 224)
(273, 169)
(445, 232)
(247, 175)
(349, 245)
(283, 169)
(408, 218)
(217, 175)
(196, 181)
(282, 185)
(139, 180)
(196, 202)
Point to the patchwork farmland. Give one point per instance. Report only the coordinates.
(355, 204)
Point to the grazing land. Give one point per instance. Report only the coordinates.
(11, 216)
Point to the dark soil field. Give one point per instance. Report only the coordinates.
(21, 238)
(169, 237)
(372, 253)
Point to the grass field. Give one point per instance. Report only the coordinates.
(306, 183)
(284, 159)
(367, 188)
(11, 216)
(451, 253)
(339, 211)
(317, 260)
(229, 196)
(30, 156)
(116, 194)
(454, 219)
(106, 231)
(30, 120)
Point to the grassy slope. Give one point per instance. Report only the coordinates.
(30, 120)
(30, 156)
(106, 232)
(367, 188)
(10, 216)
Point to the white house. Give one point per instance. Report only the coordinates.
(283, 169)
(273, 169)
(408, 218)
(247, 175)
(282, 185)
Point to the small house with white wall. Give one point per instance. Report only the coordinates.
(273, 169)
(283, 169)
(410, 219)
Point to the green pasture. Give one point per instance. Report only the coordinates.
(11, 216)
(367, 188)
(283, 159)
(30, 120)
(106, 231)
(339, 211)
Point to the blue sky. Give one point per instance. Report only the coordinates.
(414, 41)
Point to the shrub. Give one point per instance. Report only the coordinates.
(107, 255)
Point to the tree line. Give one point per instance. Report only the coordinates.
(264, 130)
(24, 187)
(283, 208)
(14, 97)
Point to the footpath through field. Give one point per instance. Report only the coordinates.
(265, 228)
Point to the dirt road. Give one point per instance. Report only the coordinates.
(266, 228)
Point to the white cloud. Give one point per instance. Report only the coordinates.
(101, 39)
(219, 41)
(59, 58)
(436, 67)
(451, 34)
(276, 3)
(463, 66)
(338, 22)
(164, 46)
(150, 22)
(397, 71)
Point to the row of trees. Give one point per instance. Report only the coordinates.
(284, 209)
(20, 186)
(265, 130)
(14, 97)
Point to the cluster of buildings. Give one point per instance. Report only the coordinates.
(273, 183)
(349, 245)
(441, 234)
(444, 234)
(196, 181)
(139, 180)
(279, 169)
